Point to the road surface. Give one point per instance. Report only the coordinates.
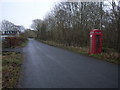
(50, 67)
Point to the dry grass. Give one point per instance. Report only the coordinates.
(11, 66)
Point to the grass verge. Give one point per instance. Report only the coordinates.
(112, 57)
(11, 67)
(23, 44)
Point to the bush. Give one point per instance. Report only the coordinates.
(9, 42)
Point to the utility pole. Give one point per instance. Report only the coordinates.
(101, 14)
(118, 27)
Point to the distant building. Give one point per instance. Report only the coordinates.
(8, 29)
(10, 34)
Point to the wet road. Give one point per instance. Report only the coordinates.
(50, 67)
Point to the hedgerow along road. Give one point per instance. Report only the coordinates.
(46, 66)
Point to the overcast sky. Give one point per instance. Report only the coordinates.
(22, 12)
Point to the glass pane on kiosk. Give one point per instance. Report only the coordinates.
(97, 42)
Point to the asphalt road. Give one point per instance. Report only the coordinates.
(50, 67)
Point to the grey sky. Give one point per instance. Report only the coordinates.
(22, 12)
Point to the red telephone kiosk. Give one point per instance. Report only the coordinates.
(95, 41)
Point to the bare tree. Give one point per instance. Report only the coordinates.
(69, 23)
(8, 26)
(36, 24)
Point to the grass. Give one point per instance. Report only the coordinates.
(109, 55)
(0, 71)
(11, 67)
(23, 44)
(112, 57)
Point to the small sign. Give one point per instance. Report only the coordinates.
(90, 35)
